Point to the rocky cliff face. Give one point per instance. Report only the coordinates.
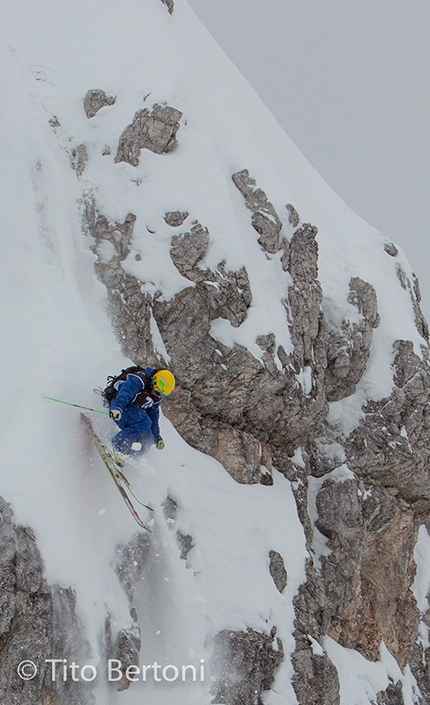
(253, 415)
(292, 386)
(38, 622)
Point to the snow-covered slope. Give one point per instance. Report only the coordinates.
(57, 339)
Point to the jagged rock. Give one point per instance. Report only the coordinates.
(241, 410)
(265, 219)
(228, 294)
(325, 453)
(7, 575)
(273, 402)
(176, 218)
(131, 561)
(392, 696)
(304, 296)
(240, 453)
(420, 666)
(246, 662)
(267, 342)
(95, 100)
(230, 385)
(303, 263)
(79, 158)
(293, 218)
(415, 295)
(26, 617)
(298, 475)
(420, 321)
(391, 249)
(370, 571)
(130, 309)
(126, 649)
(154, 130)
(185, 542)
(309, 608)
(391, 444)
(363, 296)
(135, 328)
(315, 678)
(102, 230)
(277, 570)
(36, 622)
(169, 4)
(188, 249)
(67, 641)
(349, 349)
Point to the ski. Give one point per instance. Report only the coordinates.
(126, 482)
(117, 476)
(118, 469)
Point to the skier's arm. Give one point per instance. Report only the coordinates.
(127, 391)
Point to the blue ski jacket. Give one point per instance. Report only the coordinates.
(146, 406)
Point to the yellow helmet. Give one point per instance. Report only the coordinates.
(163, 382)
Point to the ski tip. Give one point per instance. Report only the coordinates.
(144, 526)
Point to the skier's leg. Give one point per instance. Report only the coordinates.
(137, 433)
(146, 441)
(123, 440)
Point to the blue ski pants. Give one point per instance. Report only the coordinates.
(136, 433)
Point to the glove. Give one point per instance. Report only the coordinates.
(115, 414)
(160, 444)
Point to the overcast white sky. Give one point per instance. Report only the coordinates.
(348, 80)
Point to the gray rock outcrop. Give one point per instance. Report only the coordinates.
(391, 444)
(255, 413)
(413, 289)
(175, 218)
(349, 348)
(37, 622)
(265, 219)
(79, 158)
(95, 100)
(362, 595)
(277, 570)
(315, 678)
(293, 217)
(244, 666)
(169, 4)
(368, 575)
(150, 129)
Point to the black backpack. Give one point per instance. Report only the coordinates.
(109, 393)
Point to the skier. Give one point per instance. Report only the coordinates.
(135, 409)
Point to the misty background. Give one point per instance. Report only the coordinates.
(349, 83)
